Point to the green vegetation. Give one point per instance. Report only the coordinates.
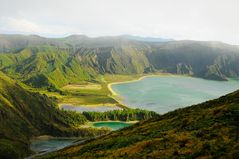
(122, 115)
(87, 96)
(48, 65)
(88, 93)
(76, 119)
(44, 67)
(53, 63)
(73, 118)
(24, 114)
(207, 130)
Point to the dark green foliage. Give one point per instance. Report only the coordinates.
(122, 115)
(74, 118)
(12, 149)
(207, 130)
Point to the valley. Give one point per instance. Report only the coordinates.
(88, 88)
(119, 79)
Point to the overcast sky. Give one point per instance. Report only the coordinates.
(178, 19)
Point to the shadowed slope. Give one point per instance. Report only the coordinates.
(24, 114)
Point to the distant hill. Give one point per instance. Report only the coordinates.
(54, 62)
(207, 130)
(17, 42)
(146, 39)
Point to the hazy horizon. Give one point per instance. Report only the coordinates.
(205, 20)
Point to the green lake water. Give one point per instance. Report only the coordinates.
(166, 93)
(112, 125)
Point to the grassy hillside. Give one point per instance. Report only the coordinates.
(25, 114)
(45, 67)
(207, 130)
(52, 63)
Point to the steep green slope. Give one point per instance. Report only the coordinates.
(52, 68)
(47, 67)
(52, 63)
(24, 114)
(13, 59)
(207, 130)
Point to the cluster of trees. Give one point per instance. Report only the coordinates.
(76, 119)
(73, 118)
(122, 115)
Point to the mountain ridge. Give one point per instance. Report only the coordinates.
(78, 58)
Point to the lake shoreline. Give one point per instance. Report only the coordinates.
(117, 97)
(114, 95)
(183, 91)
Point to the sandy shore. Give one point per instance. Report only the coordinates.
(117, 96)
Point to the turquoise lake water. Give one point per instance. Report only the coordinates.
(112, 125)
(166, 93)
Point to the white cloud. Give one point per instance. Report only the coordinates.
(29, 27)
(22, 25)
